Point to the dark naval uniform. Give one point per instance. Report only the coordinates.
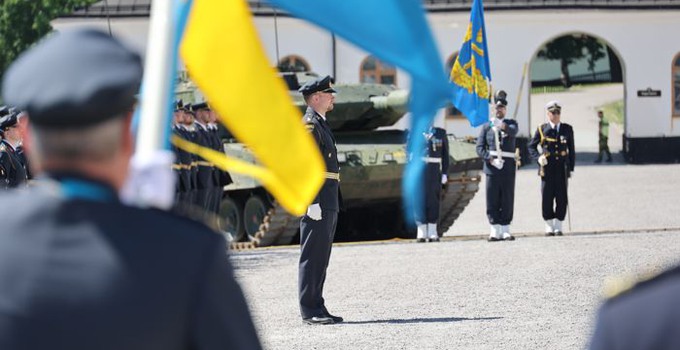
(436, 159)
(79, 270)
(500, 183)
(13, 171)
(644, 317)
(558, 148)
(316, 236)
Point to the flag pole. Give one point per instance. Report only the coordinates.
(157, 76)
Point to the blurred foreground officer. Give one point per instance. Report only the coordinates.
(317, 227)
(644, 317)
(436, 158)
(496, 145)
(12, 164)
(556, 163)
(78, 269)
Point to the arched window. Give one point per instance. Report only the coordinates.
(676, 86)
(452, 112)
(376, 72)
(294, 63)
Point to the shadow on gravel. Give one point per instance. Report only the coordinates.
(425, 320)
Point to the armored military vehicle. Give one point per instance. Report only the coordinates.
(372, 162)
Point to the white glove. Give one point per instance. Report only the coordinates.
(445, 179)
(150, 181)
(498, 163)
(314, 212)
(542, 160)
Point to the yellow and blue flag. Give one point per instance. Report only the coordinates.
(225, 58)
(397, 32)
(470, 74)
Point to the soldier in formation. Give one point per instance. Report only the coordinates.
(556, 163)
(603, 138)
(13, 165)
(496, 146)
(436, 159)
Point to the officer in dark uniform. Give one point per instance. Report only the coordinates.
(206, 178)
(436, 159)
(496, 146)
(183, 159)
(222, 178)
(13, 172)
(556, 163)
(317, 227)
(645, 316)
(189, 132)
(79, 269)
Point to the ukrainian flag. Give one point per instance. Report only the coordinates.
(470, 73)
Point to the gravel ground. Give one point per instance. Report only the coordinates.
(533, 293)
(465, 293)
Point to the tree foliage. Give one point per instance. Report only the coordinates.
(24, 22)
(570, 48)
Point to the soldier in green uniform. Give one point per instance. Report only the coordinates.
(603, 135)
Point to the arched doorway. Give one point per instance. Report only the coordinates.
(584, 72)
(374, 71)
(294, 63)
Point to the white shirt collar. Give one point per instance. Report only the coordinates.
(556, 127)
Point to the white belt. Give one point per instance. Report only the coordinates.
(503, 154)
(432, 160)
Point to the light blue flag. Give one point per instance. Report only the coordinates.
(470, 73)
(395, 31)
(181, 10)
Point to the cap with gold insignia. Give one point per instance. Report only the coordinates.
(200, 105)
(324, 84)
(74, 79)
(553, 106)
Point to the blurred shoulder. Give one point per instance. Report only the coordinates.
(655, 288)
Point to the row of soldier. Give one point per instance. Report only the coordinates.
(14, 170)
(199, 182)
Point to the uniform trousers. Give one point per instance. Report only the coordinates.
(316, 239)
(500, 198)
(432, 188)
(554, 194)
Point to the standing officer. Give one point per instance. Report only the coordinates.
(317, 227)
(436, 158)
(496, 145)
(642, 317)
(12, 168)
(556, 163)
(603, 138)
(79, 269)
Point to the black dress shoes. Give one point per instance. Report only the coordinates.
(509, 238)
(336, 319)
(547, 234)
(493, 239)
(558, 233)
(318, 320)
(421, 240)
(433, 239)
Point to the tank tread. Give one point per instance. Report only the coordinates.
(461, 188)
(278, 228)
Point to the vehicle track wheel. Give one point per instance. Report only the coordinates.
(254, 212)
(230, 221)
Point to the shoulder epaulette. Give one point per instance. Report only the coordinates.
(2, 147)
(616, 287)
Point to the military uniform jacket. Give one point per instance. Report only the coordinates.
(329, 197)
(644, 317)
(437, 147)
(12, 170)
(558, 147)
(486, 147)
(183, 162)
(222, 178)
(205, 175)
(83, 274)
